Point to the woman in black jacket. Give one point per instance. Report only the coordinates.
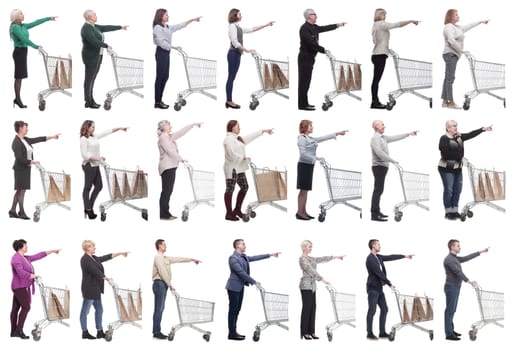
(451, 146)
(23, 154)
(93, 286)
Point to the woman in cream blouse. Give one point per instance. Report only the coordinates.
(91, 159)
(236, 163)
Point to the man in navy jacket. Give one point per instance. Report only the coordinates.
(377, 277)
(239, 264)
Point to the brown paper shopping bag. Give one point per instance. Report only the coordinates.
(124, 316)
(67, 187)
(357, 77)
(405, 313)
(116, 191)
(341, 84)
(418, 313)
(499, 190)
(52, 311)
(349, 79)
(55, 78)
(126, 193)
(140, 188)
(268, 83)
(133, 313)
(282, 81)
(270, 186)
(489, 193)
(56, 310)
(70, 75)
(430, 310)
(139, 303)
(480, 190)
(54, 193)
(63, 76)
(282, 186)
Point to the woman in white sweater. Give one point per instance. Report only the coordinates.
(236, 163)
(453, 48)
(168, 163)
(91, 159)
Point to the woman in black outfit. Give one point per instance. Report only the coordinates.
(23, 154)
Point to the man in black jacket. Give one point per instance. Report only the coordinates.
(309, 47)
(93, 278)
(377, 278)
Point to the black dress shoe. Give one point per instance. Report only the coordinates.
(161, 105)
(18, 103)
(383, 215)
(299, 217)
(160, 336)
(232, 105)
(310, 217)
(307, 108)
(231, 217)
(456, 334)
(241, 335)
(22, 335)
(311, 106)
(371, 336)
(92, 105)
(377, 105)
(383, 335)
(307, 337)
(12, 214)
(378, 218)
(451, 216)
(23, 216)
(452, 337)
(236, 337)
(314, 336)
(86, 335)
(100, 334)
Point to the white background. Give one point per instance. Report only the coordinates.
(206, 235)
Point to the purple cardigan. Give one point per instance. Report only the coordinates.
(22, 269)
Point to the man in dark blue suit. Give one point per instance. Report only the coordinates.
(239, 264)
(377, 278)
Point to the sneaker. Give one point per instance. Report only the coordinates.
(444, 105)
(453, 105)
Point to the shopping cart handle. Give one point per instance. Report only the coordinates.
(469, 56)
(180, 51)
(42, 51)
(329, 55)
(260, 287)
(255, 55)
(393, 53)
(112, 283)
(111, 52)
(324, 163)
(330, 288)
(39, 167)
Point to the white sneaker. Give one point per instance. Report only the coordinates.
(453, 105)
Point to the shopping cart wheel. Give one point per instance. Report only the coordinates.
(206, 337)
(107, 105)
(246, 217)
(430, 103)
(325, 106)
(36, 334)
(103, 216)
(398, 216)
(321, 217)
(329, 336)
(171, 336)
(185, 216)
(466, 104)
(253, 105)
(431, 334)
(256, 335)
(183, 102)
(144, 214)
(469, 214)
(390, 105)
(473, 334)
(42, 105)
(504, 103)
(463, 217)
(392, 334)
(37, 216)
(177, 106)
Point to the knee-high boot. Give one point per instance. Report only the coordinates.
(228, 206)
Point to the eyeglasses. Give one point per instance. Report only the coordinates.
(313, 14)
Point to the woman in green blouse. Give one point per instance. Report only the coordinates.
(19, 33)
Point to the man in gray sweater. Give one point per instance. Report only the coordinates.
(380, 164)
(454, 278)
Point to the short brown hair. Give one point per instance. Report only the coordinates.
(449, 14)
(232, 15)
(304, 125)
(451, 242)
(372, 242)
(18, 125)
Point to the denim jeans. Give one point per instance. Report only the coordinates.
(160, 290)
(452, 297)
(235, 300)
(234, 59)
(376, 297)
(86, 305)
(449, 75)
(452, 183)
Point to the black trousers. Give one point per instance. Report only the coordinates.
(92, 179)
(305, 66)
(379, 173)
(162, 61)
(308, 317)
(168, 182)
(379, 62)
(89, 81)
(235, 301)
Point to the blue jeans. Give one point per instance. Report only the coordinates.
(160, 290)
(376, 297)
(86, 305)
(235, 300)
(234, 59)
(452, 297)
(452, 183)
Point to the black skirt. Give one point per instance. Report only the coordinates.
(22, 179)
(19, 56)
(304, 176)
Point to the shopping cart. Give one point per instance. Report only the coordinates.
(275, 311)
(124, 185)
(273, 76)
(270, 186)
(411, 75)
(343, 186)
(58, 75)
(191, 312)
(343, 305)
(486, 76)
(129, 306)
(128, 73)
(56, 308)
(491, 310)
(413, 310)
(202, 183)
(57, 189)
(347, 77)
(201, 76)
(415, 187)
(487, 186)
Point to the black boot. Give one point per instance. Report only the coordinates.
(86, 335)
(100, 334)
(239, 203)
(228, 206)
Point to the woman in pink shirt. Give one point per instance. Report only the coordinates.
(23, 277)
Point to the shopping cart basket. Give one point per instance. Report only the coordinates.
(129, 306)
(56, 308)
(58, 75)
(413, 310)
(487, 186)
(124, 185)
(273, 76)
(486, 76)
(270, 186)
(343, 305)
(347, 77)
(201, 76)
(415, 187)
(128, 73)
(191, 312)
(491, 310)
(343, 186)
(202, 183)
(411, 75)
(275, 311)
(57, 189)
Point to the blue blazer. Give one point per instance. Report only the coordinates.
(240, 270)
(377, 275)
